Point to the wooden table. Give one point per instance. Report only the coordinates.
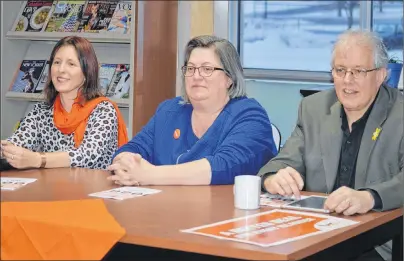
(156, 220)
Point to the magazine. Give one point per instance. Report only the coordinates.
(121, 19)
(27, 76)
(106, 73)
(43, 79)
(120, 84)
(97, 16)
(66, 16)
(32, 16)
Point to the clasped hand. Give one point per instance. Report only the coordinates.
(288, 182)
(19, 157)
(130, 169)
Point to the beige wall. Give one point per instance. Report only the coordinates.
(194, 18)
(201, 18)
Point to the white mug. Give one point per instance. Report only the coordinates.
(247, 191)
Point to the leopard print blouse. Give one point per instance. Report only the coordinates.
(37, 132)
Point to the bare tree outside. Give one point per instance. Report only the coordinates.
(349, 7)
(381, 6)
(340, 5)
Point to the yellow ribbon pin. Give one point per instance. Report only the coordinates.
(376, 133)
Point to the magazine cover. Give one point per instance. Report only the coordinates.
(43, 79)
(97, 16)
(32, 16)
(119, 87)
(27, 76)
(121, 19)
(65, 17)
(106, 73)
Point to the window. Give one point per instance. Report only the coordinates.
(293, 35)
(388, 23)
(293, 40)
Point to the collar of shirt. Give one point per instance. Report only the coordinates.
(359, 123)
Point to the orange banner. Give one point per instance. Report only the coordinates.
(272, 228)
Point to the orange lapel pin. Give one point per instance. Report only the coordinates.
(177, 134)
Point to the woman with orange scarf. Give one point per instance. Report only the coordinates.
(76, 126)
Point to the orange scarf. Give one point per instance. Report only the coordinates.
(76, 120)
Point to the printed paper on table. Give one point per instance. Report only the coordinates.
(124, 193)
(14, 183)
(272, 228)
(277, 201)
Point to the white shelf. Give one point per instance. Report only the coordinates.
(55, 36)
(25, 96)
(122, 103)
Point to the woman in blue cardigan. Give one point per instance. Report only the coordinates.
(209, 135)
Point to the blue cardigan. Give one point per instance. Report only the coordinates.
(239, 142)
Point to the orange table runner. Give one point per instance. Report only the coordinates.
(70, 230)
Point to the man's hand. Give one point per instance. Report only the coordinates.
(286, 182)
(349, 201)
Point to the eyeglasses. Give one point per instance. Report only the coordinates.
(356, 73)
(204, 71)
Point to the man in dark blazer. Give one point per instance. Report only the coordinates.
(348, 141)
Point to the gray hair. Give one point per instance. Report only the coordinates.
(229, 58)
(367, 39)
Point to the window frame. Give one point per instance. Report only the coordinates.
(233, 14)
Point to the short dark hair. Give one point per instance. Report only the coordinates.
(89, 66)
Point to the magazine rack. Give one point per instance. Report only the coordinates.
(151, 51)
(114, 48)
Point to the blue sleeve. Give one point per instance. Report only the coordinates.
(248, 146)
(142, 143)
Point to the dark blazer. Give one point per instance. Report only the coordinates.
(314, 146)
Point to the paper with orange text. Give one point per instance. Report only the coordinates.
(272, 227)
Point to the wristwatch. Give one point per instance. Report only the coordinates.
(43, 160)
